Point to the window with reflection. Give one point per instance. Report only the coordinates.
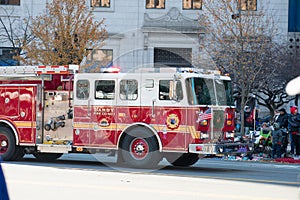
(248, 5)
(97, 59)
(9, 2)
(105, 89)
(168, 90)
(159, 4)
(200, 91)
(103, 56)
(164, 89)
(100, 3)
(207, 91)
(192, 4)
(224, 92)
(82, 89)
(128, 89)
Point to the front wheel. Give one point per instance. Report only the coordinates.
(185, 159)
(139, 149)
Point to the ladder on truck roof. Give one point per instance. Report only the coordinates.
(37, 70)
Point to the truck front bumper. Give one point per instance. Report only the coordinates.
(228, 148)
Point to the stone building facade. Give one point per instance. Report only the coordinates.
(147, 32)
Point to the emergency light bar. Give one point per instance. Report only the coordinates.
(176, 70)
(110, 70)
(200, 70)
(36, 70)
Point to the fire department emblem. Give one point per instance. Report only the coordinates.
(104, 122)
(172, 121)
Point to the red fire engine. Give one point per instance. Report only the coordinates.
(144, 116)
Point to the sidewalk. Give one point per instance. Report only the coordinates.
(287, 160)
(256, 158)
(262, 156)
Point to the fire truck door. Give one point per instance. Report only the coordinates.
(165, 111)
(171, 114)
(128, 101)
(149, 98)
(103, 109)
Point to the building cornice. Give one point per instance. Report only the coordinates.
(172, 21)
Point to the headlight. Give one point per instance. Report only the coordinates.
(204, 135)
(229, 135)
(229, 122)
(203, 123)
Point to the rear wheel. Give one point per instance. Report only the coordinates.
(47, 156)
(8, 148)
(139, 148)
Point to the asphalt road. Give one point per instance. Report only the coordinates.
(84, 177)
(34, 182)
(246, 171)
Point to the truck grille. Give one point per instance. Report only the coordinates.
(217, 124)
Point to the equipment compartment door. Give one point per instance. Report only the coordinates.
(18, 104)
(27, 113)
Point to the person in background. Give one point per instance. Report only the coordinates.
(265, 133)
(276, 115)
(294, 129)
(237, 122)
(283, 118)
(277, 137)
(248, 119)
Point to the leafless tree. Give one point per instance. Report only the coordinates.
(63, 33)
(270, 92)
(242, 43)
(14, 32)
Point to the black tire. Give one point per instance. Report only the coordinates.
(8, 148)
(47, 157)
(186, 159)
(19, 153)
(139, 149)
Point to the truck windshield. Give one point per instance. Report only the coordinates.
(204, 91)
(224, 92)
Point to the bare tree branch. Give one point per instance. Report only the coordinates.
(63, 34)
(244, 47)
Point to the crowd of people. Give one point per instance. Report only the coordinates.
(279, 132)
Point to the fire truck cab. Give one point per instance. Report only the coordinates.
(144, 116)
